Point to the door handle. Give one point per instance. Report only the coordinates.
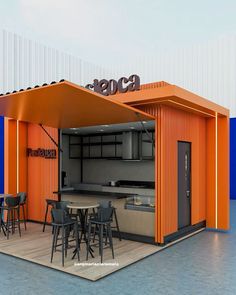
(188, 193)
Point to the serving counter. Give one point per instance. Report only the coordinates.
(131, 222)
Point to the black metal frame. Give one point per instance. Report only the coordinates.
(51, 138)
(89, 144)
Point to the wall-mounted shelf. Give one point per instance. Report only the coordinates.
(102, 143)
(106, 146)
(109, 146)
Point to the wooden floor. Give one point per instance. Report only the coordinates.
(35, 246)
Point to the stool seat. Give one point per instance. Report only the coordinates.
(51, 201)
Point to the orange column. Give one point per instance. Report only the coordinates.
(160, 183)
(10, 158)
(42, 173)
(22, 157)
(223, 173)
(218, 172)
(211, 173)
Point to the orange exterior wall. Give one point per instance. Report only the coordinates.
(34, 175)
(10, 156)
(172, 126)
(22, 158)
(211, 173)
(209, 167)
(223, 221)
(177, 126)
(218, 173)
(42, 173)
(15, 160)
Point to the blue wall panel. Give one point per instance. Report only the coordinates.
(233, 158)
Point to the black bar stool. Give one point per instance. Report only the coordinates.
(52, 204)
(62, 205)
(62, 222)
(102, 220)
(106, 204)
(13, 215)
(22, 196)
(116, 226)
(2, 223)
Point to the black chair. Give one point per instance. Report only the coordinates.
(13, 215)
(52, 204)
(2, 223)
(62, 205)
(62, 222)
(22, 196)
(108, 204)
(102, 220)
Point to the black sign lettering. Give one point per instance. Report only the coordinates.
(43, 153)
(112, 86)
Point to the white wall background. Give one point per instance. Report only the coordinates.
(208, 69)
(25, 63)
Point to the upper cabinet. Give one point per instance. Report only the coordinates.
(147, 148)
(110, 146)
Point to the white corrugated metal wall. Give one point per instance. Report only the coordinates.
(208, 69)
(25, 63)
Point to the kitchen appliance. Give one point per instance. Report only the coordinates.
(136, 184)
(130, 145)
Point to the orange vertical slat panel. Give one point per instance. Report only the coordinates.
(211, 173)
(10, 158)
(6, 178)
(42, 173)
(198, 171)
(175, 125)
(223, 174)
(22, 145)
(155, 111)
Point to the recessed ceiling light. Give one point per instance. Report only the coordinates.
(100, 130)
(105, 125)
(144, 122)
(73, 128)
(132, 127)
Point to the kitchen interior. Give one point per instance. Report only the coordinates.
(117, 163)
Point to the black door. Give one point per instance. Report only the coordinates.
(184, 184)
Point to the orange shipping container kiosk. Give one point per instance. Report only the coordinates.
(191, 143)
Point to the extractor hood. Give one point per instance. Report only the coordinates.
(130, 146)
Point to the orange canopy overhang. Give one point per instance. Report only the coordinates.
(67, 105)
(165, 93)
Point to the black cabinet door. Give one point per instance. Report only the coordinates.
(184, 184)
